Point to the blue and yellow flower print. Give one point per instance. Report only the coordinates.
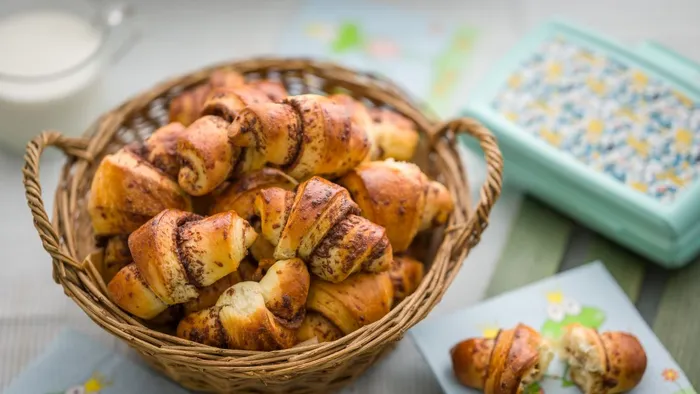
(93, 385)
(611, 117)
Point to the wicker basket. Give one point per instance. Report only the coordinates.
(312, 368)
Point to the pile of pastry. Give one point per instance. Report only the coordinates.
(516, 359)
(257, 220)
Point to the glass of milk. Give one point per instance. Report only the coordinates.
(51, 54)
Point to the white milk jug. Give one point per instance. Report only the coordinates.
(51, 53)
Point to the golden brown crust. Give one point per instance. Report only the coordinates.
(391, 135)
(244, 316)
(395, 136)
(271, 133)
(206, 155)
(354, 244)
(206, 299)
(180, 258)
(285, 288)
(514, 354)
(302, 135)
(187, 106)
(627, 360)
(346, 144)
(398, 197)
(154, 249)
(161, 148)
(406, 274)
(358, 112)
(204, 327)
(226, 79)
(274, 90)
(211, 248)
(305, 135)
(438, 206)
(240, 195)
(507, 364)
(608, 363)
(317, 224)
(360, 116)
(470, 361)
(226, 102)
(116, 256)
(265, 265)
(129, 290)
(257, 329)
(359, 300)
(178, 251)
(318, 206)
(390, 194)
(127, 191)
(272, 206)
(317, 326)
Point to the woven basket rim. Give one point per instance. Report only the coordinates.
(80, 278)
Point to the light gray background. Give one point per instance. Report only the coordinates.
(178, 36)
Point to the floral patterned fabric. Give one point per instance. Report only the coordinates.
(612, 117)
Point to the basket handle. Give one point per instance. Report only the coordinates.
(72, 147)
(491, 189)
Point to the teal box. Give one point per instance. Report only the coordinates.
(609, 135)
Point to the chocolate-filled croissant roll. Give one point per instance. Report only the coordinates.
(318, 223)
(205, 155)
(161, 148)
(254, 316)
(302, 135)
(127, 191)
(507, 364)
(136, 183)
(337, 309)
(305, 135)
(391, 134)
(187, 106)
(175, 255)
(227, 102)
(608, 363)
(399, 197)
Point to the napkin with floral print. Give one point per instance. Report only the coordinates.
(587, 295)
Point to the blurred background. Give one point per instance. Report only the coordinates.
(436, 49)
